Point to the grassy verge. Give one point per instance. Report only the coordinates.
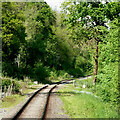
(15, 99)
(82, 105)
(31, 88)
(87, 82)
(11, 101)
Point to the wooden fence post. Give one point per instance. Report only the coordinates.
(8, 91)
(5, 91)
(0, 91)
(74, 83)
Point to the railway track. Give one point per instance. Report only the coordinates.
(71, 80)
(36, 106)
(63, 81)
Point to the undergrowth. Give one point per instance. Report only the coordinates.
(82, 105)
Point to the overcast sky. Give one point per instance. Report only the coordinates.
(54, 4)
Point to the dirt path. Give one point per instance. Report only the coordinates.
(55, 107)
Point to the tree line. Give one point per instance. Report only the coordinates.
(35, 43)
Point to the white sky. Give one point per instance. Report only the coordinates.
(55, 4)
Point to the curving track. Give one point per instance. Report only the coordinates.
(36, 106)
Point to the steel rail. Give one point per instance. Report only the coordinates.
(16, 116)
(27, 102)
(46, 104)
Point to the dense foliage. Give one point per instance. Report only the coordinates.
(107, 86)
(8, 82)
(97, 24)
(35, 43)
(44, 45)
(13, 36)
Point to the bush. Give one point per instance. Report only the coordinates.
(16, 87)
(58, 75)
(40, 73)
(8, 81)
(62, 74)
(107, 87)
(82, 67)
(53, 75)
(5, 82)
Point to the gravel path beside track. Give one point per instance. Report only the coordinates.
(55, 107)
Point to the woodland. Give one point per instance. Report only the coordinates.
(43, 44)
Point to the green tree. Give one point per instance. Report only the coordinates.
(92, 16)
(39, 49)
(13, 36)
(107, 87)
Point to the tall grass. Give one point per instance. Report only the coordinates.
(81, 105)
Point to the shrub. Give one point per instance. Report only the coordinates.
(107, 88)
(8, 81)
(63, 74)
(107, 78)
(40, 72)
(53, 75)
(5, 82)
(16, 87)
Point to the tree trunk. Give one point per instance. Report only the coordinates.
(96, 63)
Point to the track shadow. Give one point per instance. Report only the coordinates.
(65, 93)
